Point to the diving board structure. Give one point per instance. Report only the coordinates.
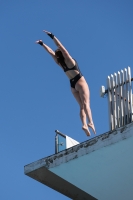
(100, 168)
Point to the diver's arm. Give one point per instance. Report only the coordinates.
(48, 49)
(60, 46)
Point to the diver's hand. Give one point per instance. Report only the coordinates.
(39, 42)
(49, 34)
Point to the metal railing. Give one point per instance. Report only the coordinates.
(119, 90)
(60, 141)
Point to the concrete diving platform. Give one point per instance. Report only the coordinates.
(100, 168)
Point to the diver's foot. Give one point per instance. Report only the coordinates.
(91, 125)
(85, 129)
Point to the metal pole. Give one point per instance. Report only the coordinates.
(56, 144)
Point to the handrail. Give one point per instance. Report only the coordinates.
(58, 132)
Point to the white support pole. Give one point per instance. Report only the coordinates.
(123, 94)
(130, 93)
(113, 100)
(116, 97)
(109, 103)
(120, 100)
(126, 96)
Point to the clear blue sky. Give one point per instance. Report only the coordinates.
(35, 96)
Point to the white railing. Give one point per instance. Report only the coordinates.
(119, 90)
(63, 142)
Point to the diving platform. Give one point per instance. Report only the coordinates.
(99, 168)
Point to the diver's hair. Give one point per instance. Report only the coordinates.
(59, 56)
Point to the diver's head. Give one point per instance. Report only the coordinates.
(59, 55)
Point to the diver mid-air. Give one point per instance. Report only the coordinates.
(79, 86)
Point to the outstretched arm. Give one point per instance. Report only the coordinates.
(61, 47)
(48, 49)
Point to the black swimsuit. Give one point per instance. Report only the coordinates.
(74, 80)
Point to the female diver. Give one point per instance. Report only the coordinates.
(79, 86)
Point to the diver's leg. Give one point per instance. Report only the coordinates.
(84, 93)
(82, 112)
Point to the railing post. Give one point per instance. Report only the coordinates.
(109, 103)
(130, 93)
(116, 98)
(113, 101)
(56, 143)
(126, 96)
(120, 99)
(123, 96)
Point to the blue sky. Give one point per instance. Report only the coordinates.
(35, 96)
